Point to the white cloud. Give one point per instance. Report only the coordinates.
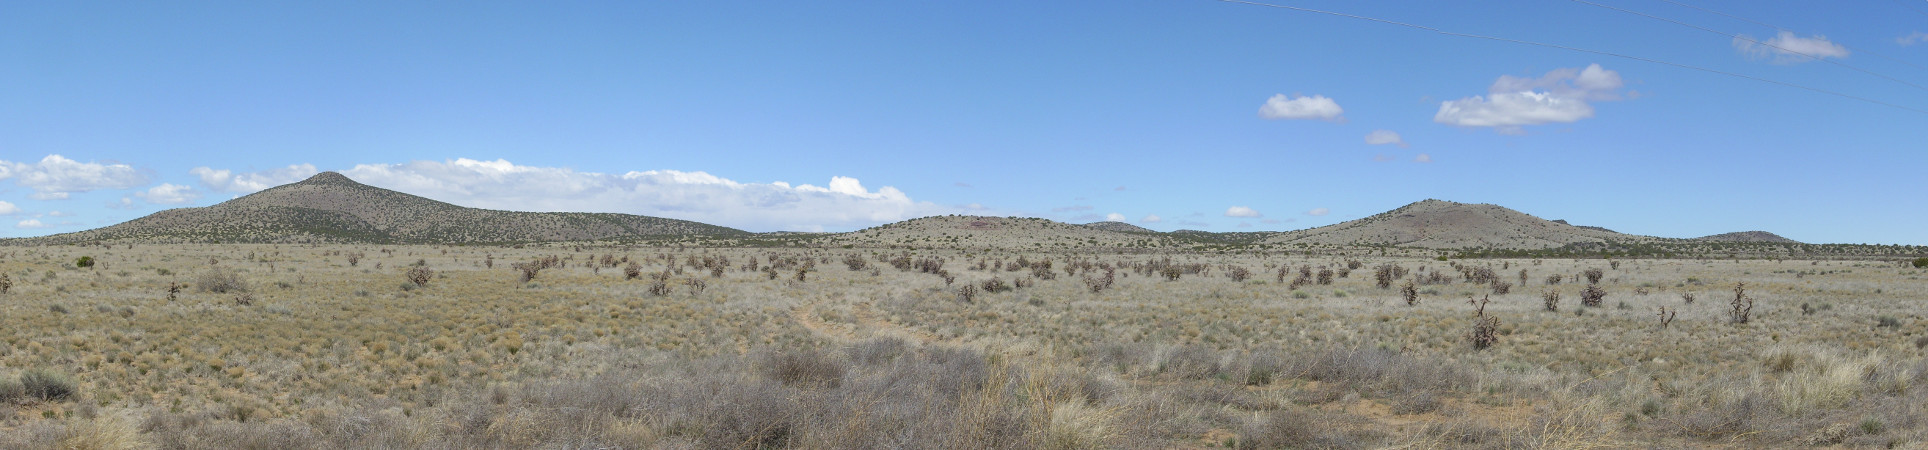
(1912, 39)
(56, 177)
(844, 203)
(169, 194)
(1115, 217)
(1786, 48)
(29, 224)
(1423, 158)
(1241, 211)
(1280, 107)
(1562, 95)
(7, 209)
(1151, 218)
(1383, 137)
(224, 180)
(1318, 212)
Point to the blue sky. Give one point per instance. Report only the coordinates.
(835, 116)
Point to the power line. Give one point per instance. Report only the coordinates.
(1778, 28)
(1911, 8)
(1749, 39)
(1581, 50)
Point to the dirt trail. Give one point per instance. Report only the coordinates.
(806, 316)
(868, 323)
(869, 317)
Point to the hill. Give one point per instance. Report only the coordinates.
(1452, 225)
(1747, 236)
(331, 208)
(1005, 233)
(1119, 227)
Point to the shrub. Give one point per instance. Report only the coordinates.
(1238, 274)
(1485, 329)
(420, 276)
(46, 385)
(1741, 305)
(1551, 299)
(85, 262)
(804, 367)
(632, 271)
(1592, 296)
(994, 285)
(1594, 275)
(1920, 263)
(6, 283)
(220, 281)
(1096, 284)
(1381, 276)
(1411, 293)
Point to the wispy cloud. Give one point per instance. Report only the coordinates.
(1318, 212)
(1241, 211)
(1912, 39)
(1280, 107)
(1786, 48)
(1384, 137)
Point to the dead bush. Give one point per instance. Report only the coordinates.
(220, 281)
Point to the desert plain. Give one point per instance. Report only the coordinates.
(585, 345)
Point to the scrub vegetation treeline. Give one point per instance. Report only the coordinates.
(615, 346)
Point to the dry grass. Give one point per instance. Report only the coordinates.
(331, 354)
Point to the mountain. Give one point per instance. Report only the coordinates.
(1119, 227)
(1747, 236)
(1444, 224)
(331, 208)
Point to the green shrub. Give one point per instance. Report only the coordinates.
(46, 385)
(84, 262)
(1921, 263)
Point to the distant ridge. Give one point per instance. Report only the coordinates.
(1119, 227)
(1449, 225)
(1747, 236)
(1564, 222)
(331, 208)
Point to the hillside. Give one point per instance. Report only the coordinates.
(1444, 224)
(331, 208)
(980, 232)
(1119, 227)
(1747, 236)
